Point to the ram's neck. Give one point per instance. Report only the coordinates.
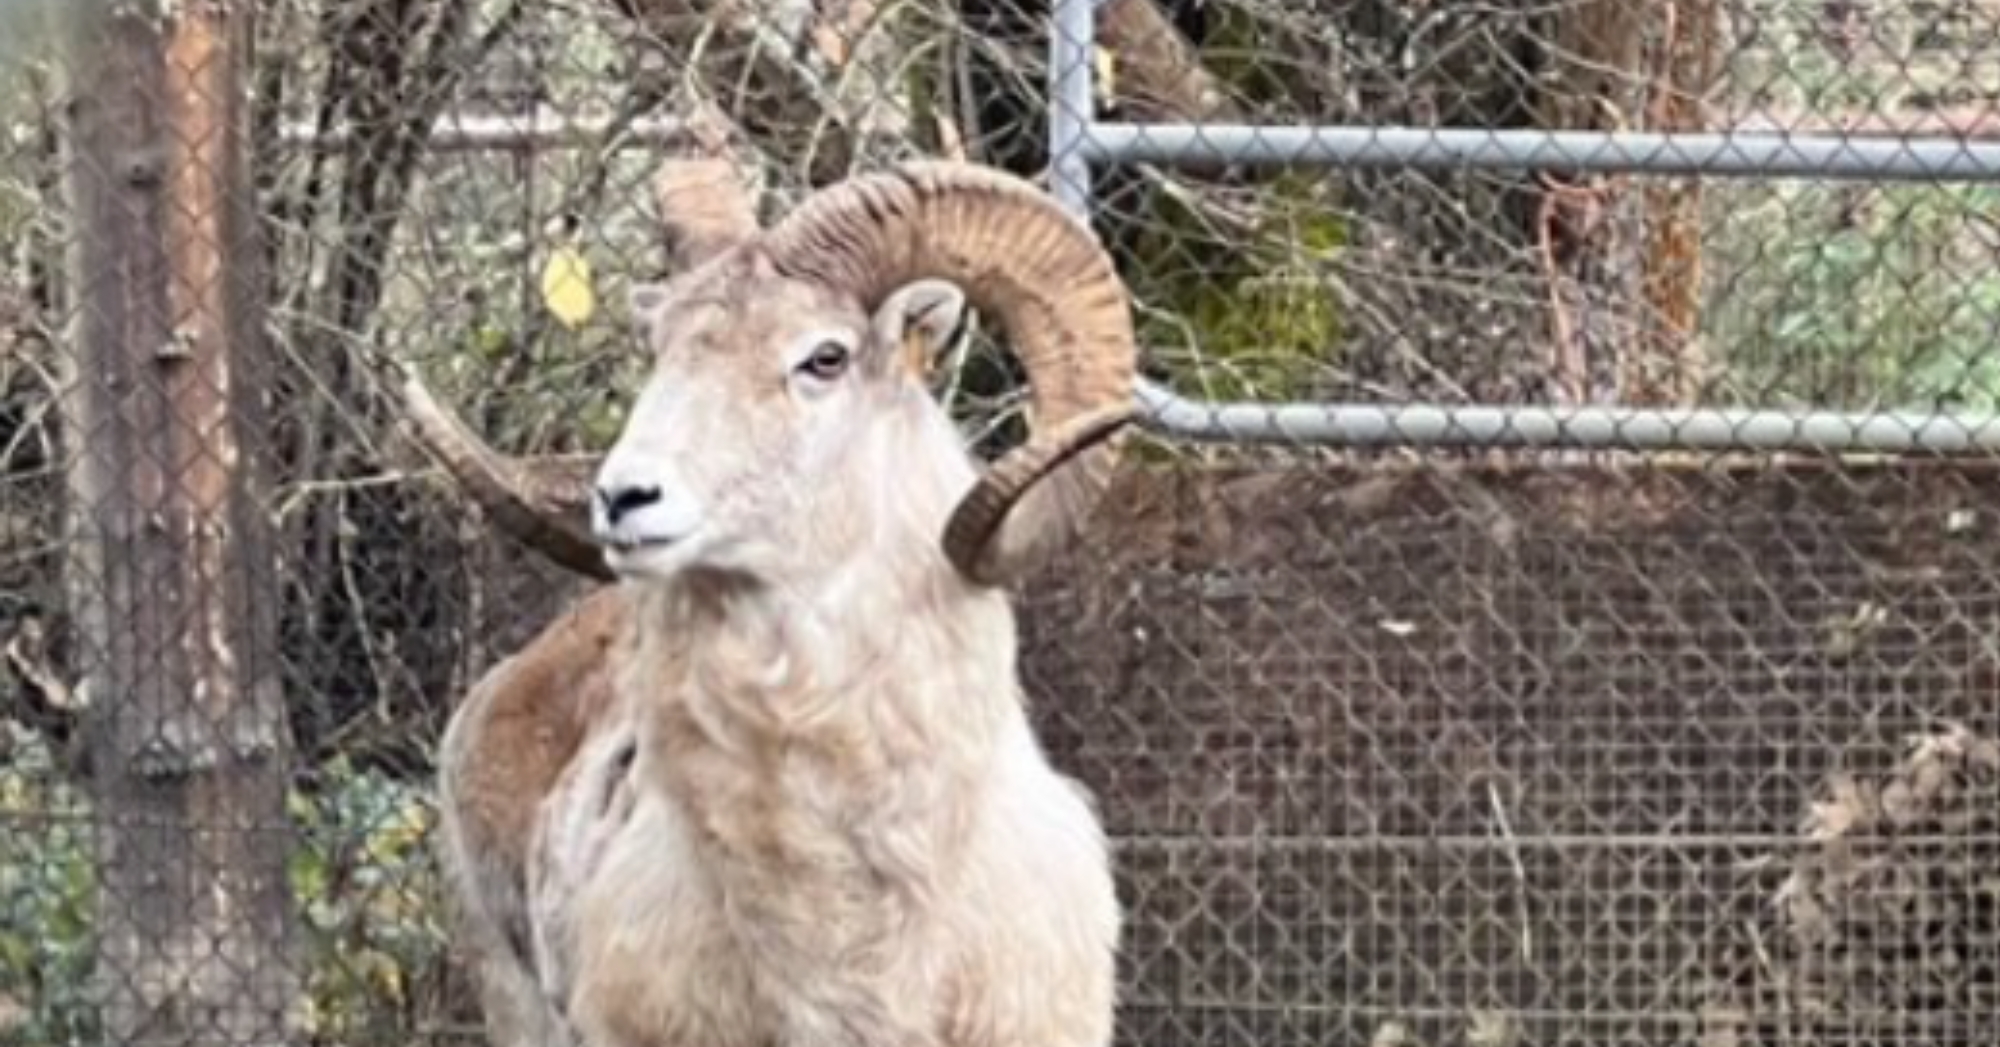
(827, 739)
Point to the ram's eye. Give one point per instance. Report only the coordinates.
(826, 361)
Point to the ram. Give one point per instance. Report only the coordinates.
(777, 785)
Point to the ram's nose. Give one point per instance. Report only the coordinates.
(638, 503)
(616, 502)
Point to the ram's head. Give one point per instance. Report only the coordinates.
(786, 424)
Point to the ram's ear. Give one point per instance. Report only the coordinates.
(920, 320)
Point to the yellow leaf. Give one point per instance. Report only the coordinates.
(402, 831)
(566, 286)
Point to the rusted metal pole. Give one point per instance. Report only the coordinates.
(170, 579)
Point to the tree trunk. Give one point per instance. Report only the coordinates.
(1158, 76)
(1497, 285)
(171, 582)
(1624, 262)
(1671, 369)
(1589, 231)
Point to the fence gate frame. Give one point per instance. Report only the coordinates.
(1079, 143)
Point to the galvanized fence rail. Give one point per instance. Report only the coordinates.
(1080, 142)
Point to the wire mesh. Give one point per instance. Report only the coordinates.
(1397, 745)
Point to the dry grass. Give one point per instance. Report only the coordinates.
(1886, 924)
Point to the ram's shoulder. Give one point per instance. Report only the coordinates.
(524, 720)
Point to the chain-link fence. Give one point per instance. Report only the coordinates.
(1399, 743)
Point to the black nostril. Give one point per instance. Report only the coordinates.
(618, 501)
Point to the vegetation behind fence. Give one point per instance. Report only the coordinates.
(1399, 748)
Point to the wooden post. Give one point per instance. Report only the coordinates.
(173, 593)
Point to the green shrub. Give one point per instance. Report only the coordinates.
(363, 874)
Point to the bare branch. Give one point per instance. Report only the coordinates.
(26, 655)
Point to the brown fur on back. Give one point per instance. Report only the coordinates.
(506, 748)
(527, 718)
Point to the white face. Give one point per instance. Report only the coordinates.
(781, 432)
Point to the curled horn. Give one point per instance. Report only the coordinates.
(1051, 286)
(535, 503)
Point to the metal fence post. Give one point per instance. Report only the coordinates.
(1071, 106)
